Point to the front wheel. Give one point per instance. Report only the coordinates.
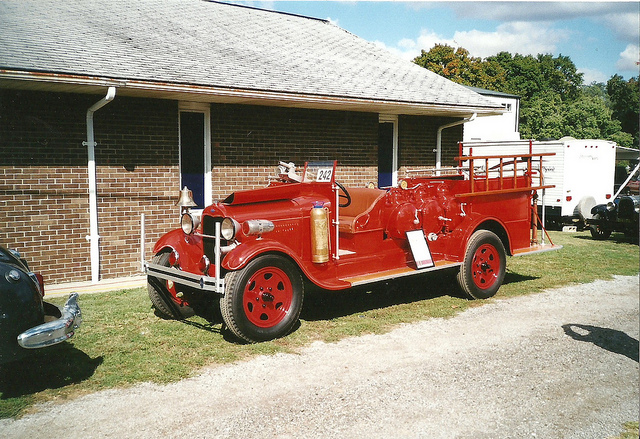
(483, 268)
(164, 296)
(597, 232)
(263, 300)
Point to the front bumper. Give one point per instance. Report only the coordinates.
(56, 331)
(196, 281)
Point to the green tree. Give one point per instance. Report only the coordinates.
(553, 100)
(541, 118)
(529, 76)
(625, 102)
(458, 66)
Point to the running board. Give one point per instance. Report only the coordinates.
(396, 273)
(536, 248)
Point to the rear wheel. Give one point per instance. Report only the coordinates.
(263, 300)
(483, 268)
(163, 294)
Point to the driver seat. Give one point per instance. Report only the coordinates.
(362, 202)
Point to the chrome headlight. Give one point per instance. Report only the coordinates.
(610, 206)
(229, 228)
(189, 222)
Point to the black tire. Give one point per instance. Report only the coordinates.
(163, 297)
(597, 232)
(263, 300)
(482, 271)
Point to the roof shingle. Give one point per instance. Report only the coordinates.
(211, 44)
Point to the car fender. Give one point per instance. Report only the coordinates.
(187, 246)
(241, 255)
(492, 224)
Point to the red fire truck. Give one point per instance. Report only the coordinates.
(255, 250)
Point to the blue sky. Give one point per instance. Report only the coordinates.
(600, 38)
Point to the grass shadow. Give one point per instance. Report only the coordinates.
(617, 237)
(511, 277)
(52, 368)
(326, 305)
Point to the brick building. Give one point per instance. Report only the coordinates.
(194, 93)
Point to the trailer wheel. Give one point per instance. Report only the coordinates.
(163, 294)
(483, 268)
(263, 300)
(597, 232)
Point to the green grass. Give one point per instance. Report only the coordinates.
(122, 342)
(630, 431)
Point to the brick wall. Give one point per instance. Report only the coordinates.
(248, 141)
(44, 202)
(417, 141)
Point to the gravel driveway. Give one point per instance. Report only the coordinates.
(561, 364)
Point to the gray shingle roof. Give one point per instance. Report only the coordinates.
(209, 44)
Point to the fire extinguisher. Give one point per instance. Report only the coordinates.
(319, 233)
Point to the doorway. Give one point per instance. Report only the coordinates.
(195, 152)
(387, 151)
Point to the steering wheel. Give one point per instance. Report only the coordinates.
(345, 195)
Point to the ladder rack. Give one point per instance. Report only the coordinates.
(478, 173)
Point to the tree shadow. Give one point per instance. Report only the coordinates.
(611, 340)
(50, 368)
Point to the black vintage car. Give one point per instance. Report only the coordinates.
(26, 320)
(621, 215)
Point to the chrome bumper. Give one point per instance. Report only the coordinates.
(197, 281)
(54, 332)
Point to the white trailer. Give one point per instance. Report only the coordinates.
(582, 171)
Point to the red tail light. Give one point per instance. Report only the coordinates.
(40, 282)
(569, 197)
(608, 196)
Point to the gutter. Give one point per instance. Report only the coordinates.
(177, 91)
(438, 149)
(94, 237)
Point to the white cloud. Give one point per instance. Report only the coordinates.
(517, 37)
(541, 11)
(629, 59)
(592, 75)
(332, 21)
(625, 26)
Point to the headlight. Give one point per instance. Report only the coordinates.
(189, 222)
(229, 228)
(610, 206)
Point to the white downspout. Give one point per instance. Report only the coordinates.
(439, 138)
(93, 236)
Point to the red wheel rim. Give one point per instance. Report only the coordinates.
(267, 297)
(485, 266)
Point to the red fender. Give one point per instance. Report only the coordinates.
(241, 255)
(478, 223)
(189, 248)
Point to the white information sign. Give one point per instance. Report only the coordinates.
(420, 249)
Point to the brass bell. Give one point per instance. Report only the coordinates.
(186, 199)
